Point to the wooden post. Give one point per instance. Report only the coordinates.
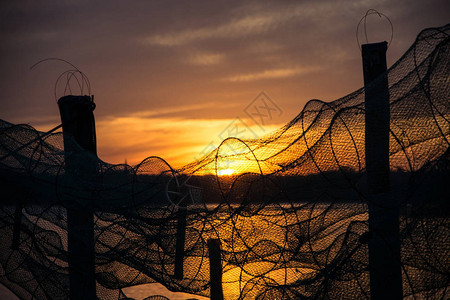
(384, 243)
(17, 224)
(181, 239)
(78, 125)
(215, 269)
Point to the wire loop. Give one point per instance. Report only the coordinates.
(69, 75)
(364, 18)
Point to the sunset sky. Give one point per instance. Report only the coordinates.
(173, 78)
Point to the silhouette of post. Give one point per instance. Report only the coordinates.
(17, 224)
(384, 243)
(78, 125)
(215, 269)
(180, 241)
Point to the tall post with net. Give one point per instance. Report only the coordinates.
(384, 244)
(79, 134)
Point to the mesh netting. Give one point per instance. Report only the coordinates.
(292, 218)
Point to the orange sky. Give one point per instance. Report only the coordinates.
(179, 141)
(171, 78)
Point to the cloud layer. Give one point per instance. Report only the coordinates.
(187, 61)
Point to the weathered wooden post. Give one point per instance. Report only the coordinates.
(17, 222)
(384, 244)
(181, 239)
(78, 125)
(215, 269)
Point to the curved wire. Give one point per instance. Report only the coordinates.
(364, 18)
(70, 74)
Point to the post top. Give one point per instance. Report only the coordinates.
(214, 243)
(71, 101)
(380, 46)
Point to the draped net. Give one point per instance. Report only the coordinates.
(292, 218)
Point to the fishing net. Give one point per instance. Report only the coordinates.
(292, 218)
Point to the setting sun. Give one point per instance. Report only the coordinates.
(225, 172)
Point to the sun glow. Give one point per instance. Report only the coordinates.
(225, 172)
(139, 136)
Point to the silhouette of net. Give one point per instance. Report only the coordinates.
(292, 218)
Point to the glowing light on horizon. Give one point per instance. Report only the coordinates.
(225, 172)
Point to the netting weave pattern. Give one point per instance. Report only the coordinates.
(291, 219)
